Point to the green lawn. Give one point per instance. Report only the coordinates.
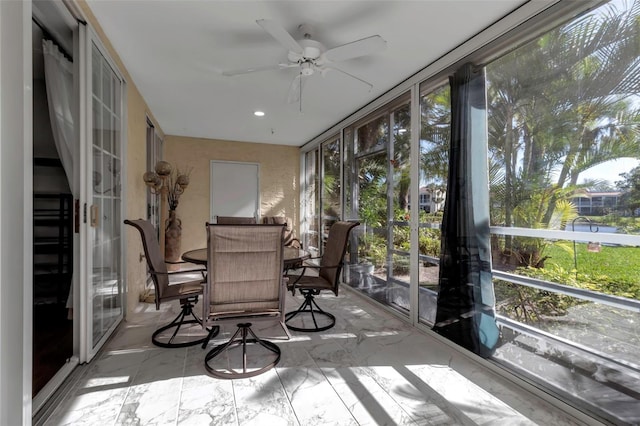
(620, 264)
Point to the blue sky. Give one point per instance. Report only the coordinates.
(610, 170)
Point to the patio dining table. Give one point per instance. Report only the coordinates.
(292, 256)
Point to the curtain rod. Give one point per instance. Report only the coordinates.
(47, 36)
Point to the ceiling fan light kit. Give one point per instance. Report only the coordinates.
(310, 55)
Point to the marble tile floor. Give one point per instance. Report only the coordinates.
(370, 369)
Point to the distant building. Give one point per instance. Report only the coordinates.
(431, 199)
(596, 203)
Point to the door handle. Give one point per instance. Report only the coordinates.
(94, 215)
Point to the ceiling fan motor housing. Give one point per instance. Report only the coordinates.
(311, 49)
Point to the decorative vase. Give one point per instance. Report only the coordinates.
(172, 236)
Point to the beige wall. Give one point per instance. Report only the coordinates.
(136, 160)
(279, 176)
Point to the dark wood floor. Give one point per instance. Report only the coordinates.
(52, 342)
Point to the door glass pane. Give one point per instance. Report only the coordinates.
(107, 98)
(97, 123)
(115, 131)
(115, 177)
(435, 136)
(106, 129)
(106, 285)
(107, 175)
(96, 72)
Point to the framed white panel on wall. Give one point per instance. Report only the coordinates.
(235, 189)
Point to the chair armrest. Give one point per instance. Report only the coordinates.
(182, 271)
(185, 271)
(294, 242)
(312, 266)
(312, 261)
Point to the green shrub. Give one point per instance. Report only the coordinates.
(532, 305)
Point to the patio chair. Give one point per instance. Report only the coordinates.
(183, 285)
(290, 239)
(328, 278)
(232, 220)
(244, 283)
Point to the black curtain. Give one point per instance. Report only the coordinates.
(465, 312)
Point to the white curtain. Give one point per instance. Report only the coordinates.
(58, 72)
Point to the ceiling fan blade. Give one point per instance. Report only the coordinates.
(350, 75)
(280, 34)
(357, 48)
(257, 69)
(295, 89)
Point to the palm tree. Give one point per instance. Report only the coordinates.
(561, 104)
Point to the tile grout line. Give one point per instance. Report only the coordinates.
(331, 384)
(184, 370)
(124, 400)
(287, 396)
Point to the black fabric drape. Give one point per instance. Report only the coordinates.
(465, 312)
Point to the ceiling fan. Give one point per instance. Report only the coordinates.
(311, 57)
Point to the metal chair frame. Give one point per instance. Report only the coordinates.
(187, 292)
(328, 279)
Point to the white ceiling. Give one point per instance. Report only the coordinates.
(175, 51)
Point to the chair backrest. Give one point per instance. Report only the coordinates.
(155, 260)
(231, 220)
(244, 271)
(334, 251)
(290, 239)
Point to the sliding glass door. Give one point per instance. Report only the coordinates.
(380, 172)
(101, 152)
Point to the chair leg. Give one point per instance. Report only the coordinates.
(241, 338)
(177, 323)
(309, 306)
(213, 332)
(286, 329)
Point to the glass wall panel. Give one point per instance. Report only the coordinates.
(399, 233)
(435, 137)
(331, 186)
(311, 217)
(349, 175)
(564, 119)
(373, 136)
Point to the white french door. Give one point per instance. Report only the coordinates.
(101, 112)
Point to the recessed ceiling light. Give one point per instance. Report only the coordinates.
(258, 113)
